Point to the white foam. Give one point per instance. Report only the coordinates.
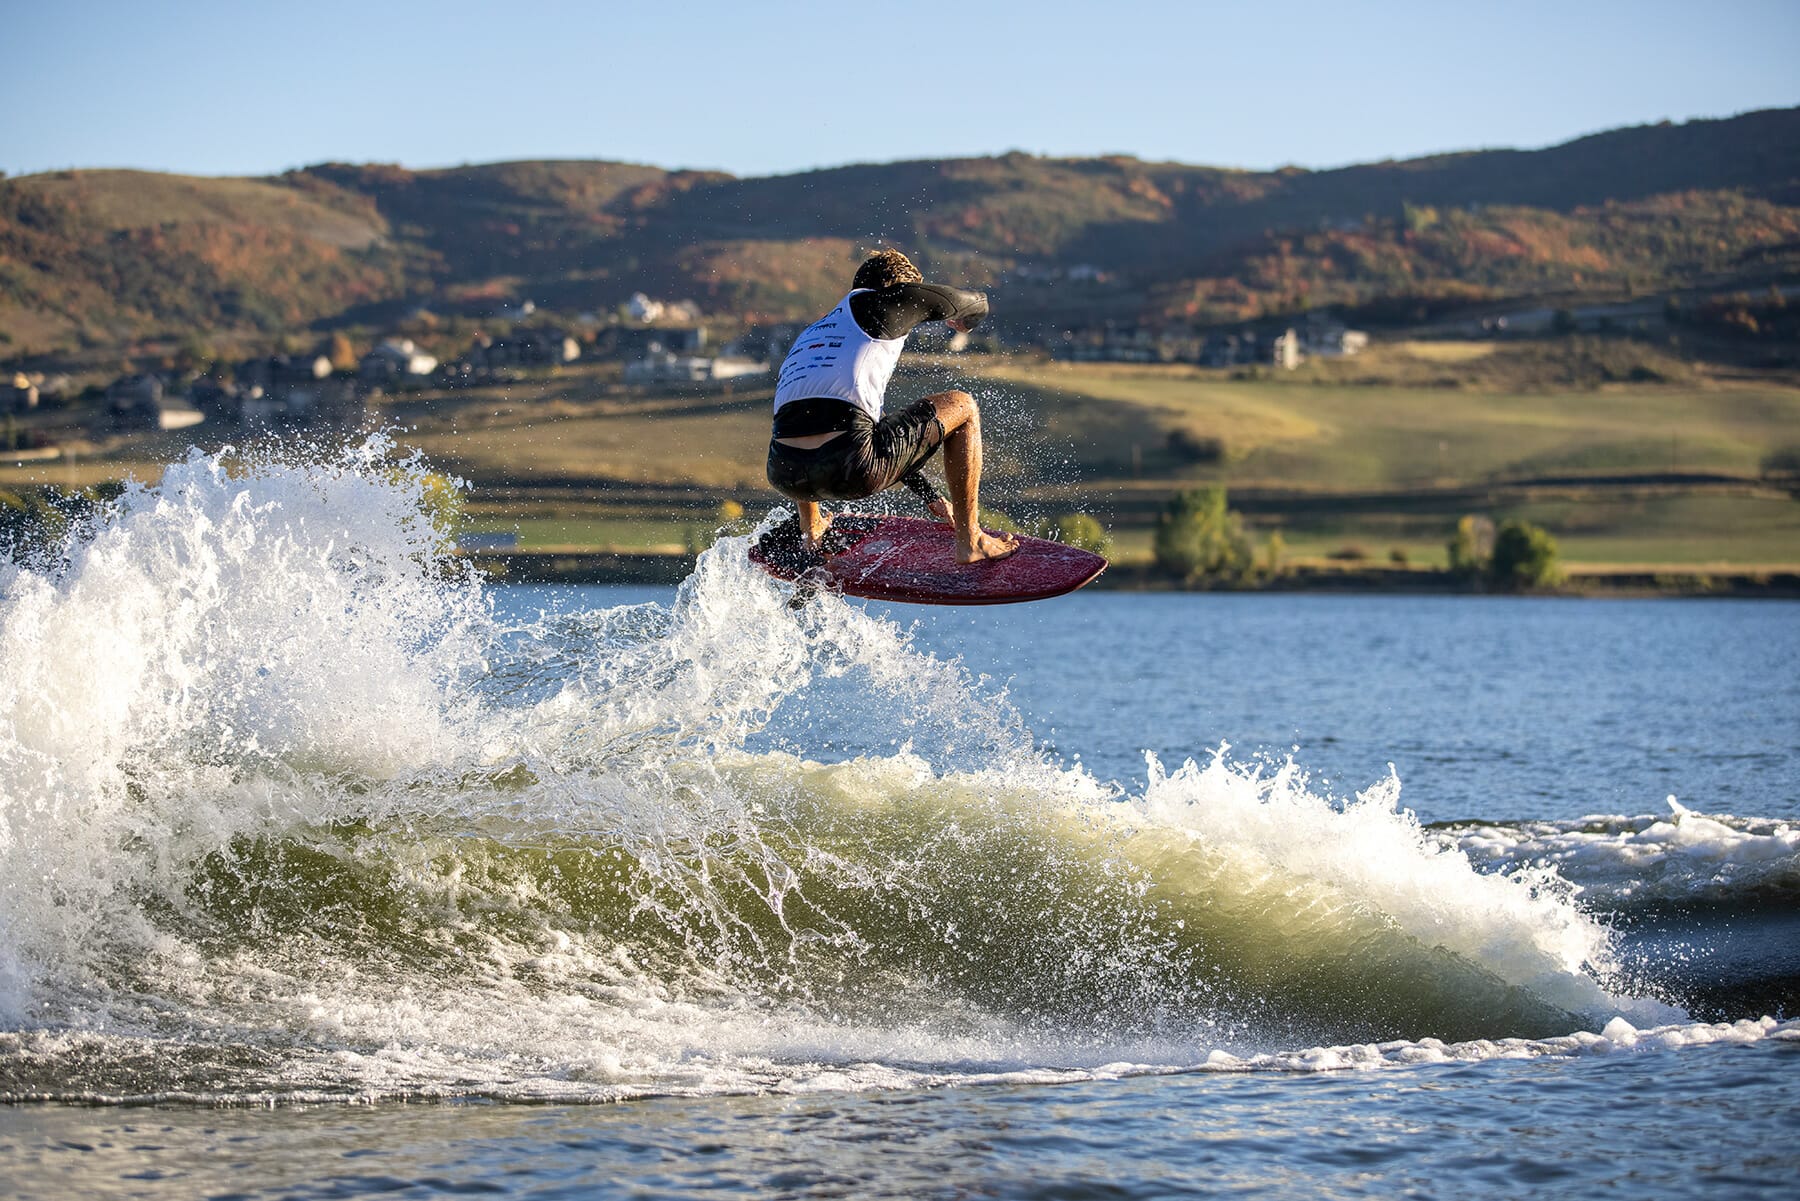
(430, 1071)
(1521, 926)
(1684, 856)
(1618, 1036)
(222, 632)
(271, 650)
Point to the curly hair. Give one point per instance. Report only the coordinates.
(884, 269)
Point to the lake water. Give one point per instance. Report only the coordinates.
(322, 875)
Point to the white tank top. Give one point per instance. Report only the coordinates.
(835, 358)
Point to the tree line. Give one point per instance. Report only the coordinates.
(1200, 540)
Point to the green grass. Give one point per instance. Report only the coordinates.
(1331, 438)
(1095, 438)
(1685, 530)
(1062, 438)
(1676, 530)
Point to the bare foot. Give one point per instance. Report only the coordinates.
(988, 548)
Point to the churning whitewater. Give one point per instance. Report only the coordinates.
(287, 810)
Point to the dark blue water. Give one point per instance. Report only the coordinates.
(1704, 1123)
(1488, 708)
(1492, 713)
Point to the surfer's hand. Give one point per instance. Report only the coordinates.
(940, 509)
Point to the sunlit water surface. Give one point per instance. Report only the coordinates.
(323, 875)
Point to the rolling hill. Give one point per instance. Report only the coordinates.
(98, 258)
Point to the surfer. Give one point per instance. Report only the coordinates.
(830, 440)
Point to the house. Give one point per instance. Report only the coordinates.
(219, 401)
(627, 342)
(1228, 350)
(1327, 337)
(1114, 343)
(526, 346)
(1284, 350)
(732, 367)
(395, 361)
(22, 395)
(646, 309)
(332, 401)
(547, 345)
(283, 369)
(138, 402)
(661, 366)
(298, 390)
(641, 308)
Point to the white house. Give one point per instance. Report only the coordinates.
(396, 358)
(1284, 350)
(139, 402)
(661, 366)
(735, 368)
(23, 394)
(642, 308)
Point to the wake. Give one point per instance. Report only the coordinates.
(289, 806)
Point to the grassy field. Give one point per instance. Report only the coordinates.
(1419, 452)
(1343, 437)
(1692, 532)
(713, 448)
(1336, 460)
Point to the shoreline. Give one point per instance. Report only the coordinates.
(652, 568)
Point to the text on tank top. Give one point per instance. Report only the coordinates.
(833, 357)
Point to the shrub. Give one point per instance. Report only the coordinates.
(1524, 557)
(441, 500)
(996, 522)
(1472, 545)
(1196, 535)
(1080, 530)
(1273, 549)
(1783, 460)
(1190, 447)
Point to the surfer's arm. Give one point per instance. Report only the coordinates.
(921, 487)
(893, 312)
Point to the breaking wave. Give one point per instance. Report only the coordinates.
(289, 807)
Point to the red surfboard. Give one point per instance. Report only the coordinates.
(912, 561)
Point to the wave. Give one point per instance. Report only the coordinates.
(287, 803)
(1679, 859)
(89, 1068)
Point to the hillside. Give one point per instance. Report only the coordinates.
(98, 258)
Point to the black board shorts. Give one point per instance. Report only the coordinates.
(869, 457)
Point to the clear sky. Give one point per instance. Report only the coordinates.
(256, 86)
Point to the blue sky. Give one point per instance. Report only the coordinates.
(216, 88)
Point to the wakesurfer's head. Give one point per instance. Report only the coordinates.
(884, 269)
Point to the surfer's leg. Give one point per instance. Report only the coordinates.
(813, 522)
(962, 471)
(796, 473)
